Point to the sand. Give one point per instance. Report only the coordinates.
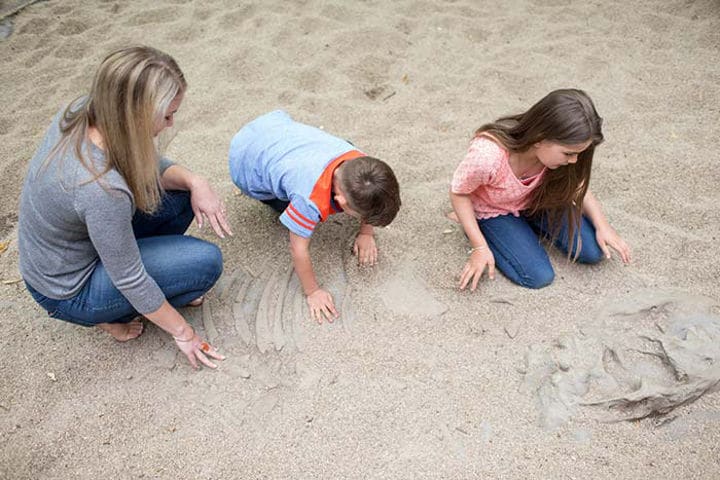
(418, 380)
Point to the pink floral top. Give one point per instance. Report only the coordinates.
(486, 176)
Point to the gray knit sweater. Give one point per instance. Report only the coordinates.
(67, 225)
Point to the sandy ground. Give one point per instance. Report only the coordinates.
(417, 380)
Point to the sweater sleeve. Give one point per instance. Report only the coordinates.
(479, 167)
(107, 213)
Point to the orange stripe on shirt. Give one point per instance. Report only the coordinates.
(297, 218)
(322, 190)
(293, 216)
(301, 215)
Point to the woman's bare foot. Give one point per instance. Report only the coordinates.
(122, 332)
(197, 302)
(453, 216)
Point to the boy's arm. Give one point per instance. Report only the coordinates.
(604, 233)
(365, 248)
(320, 301)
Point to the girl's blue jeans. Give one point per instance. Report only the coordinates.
(184, 268)
(519, 255)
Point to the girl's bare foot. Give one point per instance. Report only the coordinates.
(122, 332)
(453, 216)
(197, 302)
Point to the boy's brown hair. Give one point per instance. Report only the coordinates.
(371, 190)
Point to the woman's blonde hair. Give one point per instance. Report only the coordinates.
(130, 95)
(565, 116)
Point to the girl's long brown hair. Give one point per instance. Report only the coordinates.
(565, 116)
(130, 95)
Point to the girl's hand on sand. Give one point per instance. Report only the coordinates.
(322, 306)
(196, 349)
(475, 266)
(365, 249)
(206, 204)
(608, 237)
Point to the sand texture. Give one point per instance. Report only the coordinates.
(416, 380)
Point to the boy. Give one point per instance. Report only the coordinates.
(307, 174)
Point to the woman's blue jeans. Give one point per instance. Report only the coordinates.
(519, 255)
(184, 268)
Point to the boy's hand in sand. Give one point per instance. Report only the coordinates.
(365, 249)
(607, 237)
(196, 349)
(475, 266)
(322, 306)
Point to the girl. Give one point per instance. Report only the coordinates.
(528, 174)
(102, 216)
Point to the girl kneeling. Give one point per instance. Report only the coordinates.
(526, 176)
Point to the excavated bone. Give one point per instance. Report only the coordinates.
(278, 333)
(209, 324)
(263, 335)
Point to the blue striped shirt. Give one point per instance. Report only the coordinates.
(276, 157)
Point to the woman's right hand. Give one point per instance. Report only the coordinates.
(475, 266)
(196, 349)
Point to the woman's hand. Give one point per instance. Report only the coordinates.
(365, 249)
(608, 237)
(321, 305)
(206, 204)
(196, 349)
(480, 258)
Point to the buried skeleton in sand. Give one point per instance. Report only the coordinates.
(102, 221)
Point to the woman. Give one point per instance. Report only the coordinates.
(102, 215)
